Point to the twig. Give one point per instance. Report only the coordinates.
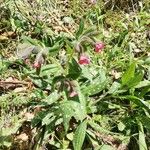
(14, 82)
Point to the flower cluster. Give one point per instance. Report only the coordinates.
(84, 59)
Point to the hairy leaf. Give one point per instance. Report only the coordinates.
(79, 136)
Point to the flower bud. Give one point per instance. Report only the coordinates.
(84, 59)
(37, 65)
(99, 46)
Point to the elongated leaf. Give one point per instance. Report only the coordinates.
(142, 141)
(147, 61)
(74, 69)
(100, 129)
(97, 85)
(143, 84)
(54, 49)
(137, 101)
(95, 88)
(144, 91)
(106, 147)
(50, 69)
(52, 98)
(82, 99)
(92, 138)
(145, 120)
(71, 109)
(135, 80)
(114, 88)
(97, 127)
(67, 113)
(79, 136)
(48, 119)
(87, 74)
(30, 40)
(81, 28)
(129, 74)
(79, 110)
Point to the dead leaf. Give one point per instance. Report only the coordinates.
(20, 89)
(29, 116)
(115, 74)
(12, 83)
(3, 38)
(22, 137)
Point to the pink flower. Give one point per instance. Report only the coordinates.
(84, 59)
(73, 94)
(36, 65)
(99, 46)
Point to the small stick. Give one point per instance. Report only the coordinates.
(13, 82)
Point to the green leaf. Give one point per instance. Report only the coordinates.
(102, 130)
(121, 126)
(48, 119)
(142, 141)
(38, 118)
(50, 69)
(92, 137)
(40, 82)
(52, 98)
(30, 40)
(143, 84)
(147, 61)
(57, 79)
(97, 85)
(90, 32)
(135, 80)
(106, 147)
(74, 69)
(145, 120)
(71, 109)
(114, 88)
(95, 88)
(81, 28)
(54, 49)
(82, 99)
(97, 127)
(6, 141)
(129, 74)
(137, 101)
(70, 136)
(79, 136)
(67, 113)
(87, 74)
(79, 110)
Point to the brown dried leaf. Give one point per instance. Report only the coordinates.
(22, 137)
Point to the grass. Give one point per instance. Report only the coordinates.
(49, 100)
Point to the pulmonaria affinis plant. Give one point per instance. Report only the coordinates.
(84, 59)
(99, 46)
